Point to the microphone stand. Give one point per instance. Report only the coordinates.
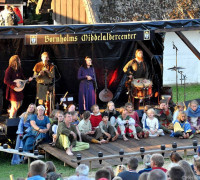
(174, 47)
(183, 77)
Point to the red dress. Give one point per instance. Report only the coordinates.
(95, 120)
(10, 76)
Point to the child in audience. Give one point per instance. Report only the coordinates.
(180, 107)
(193, 113)
(95, 118)
(134, 115)
(112, 113)
(164, 116)
(151, 124)
(75, 120)
(119, 169)
(125, 121)
(144, 116)
(87, 134)
(109, 132)
(182, 128)
(71, 108)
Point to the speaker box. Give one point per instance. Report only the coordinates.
(12, 126)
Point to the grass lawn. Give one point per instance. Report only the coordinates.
(191, 92)
(21, 170)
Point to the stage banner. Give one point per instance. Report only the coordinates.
(38, 39)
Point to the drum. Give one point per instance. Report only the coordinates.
(141, 88)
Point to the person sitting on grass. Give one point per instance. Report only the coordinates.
(102, 174)
(147, 164)
(109, 132)
(193, 113)
(175, 158)
(176, 173)
(87, 134)
(51, 171)
(157, 162)
(197, 166)
(151, 124)
(124, 121)
(182, 128)
(95, 118)
(82, 172)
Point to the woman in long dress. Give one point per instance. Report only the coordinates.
(87, 78)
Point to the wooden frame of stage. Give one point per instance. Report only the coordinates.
(113, 148)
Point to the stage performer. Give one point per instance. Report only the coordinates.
(23, 127)
(87, 77)
(13, 72)
(45, 72)
(135, 68)
(38, 133)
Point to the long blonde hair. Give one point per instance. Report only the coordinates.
(107, 108)
(181, 113)
(28, 113)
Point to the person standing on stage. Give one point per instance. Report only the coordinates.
(87, 77)
(135, 68)
(13, 72)
(45, 72)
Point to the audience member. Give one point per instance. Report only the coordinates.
(175, 158)
(51, 172)
(102, 174)
(95, 117)
(157, 174)
(144, 176)
(182, 128)
(176, 173)
(71, 108)
(75, 119)
(112, 113)
(119, 169)
(157, 161)
(179, 107)
(130, 112)
(131, 173)
(110, 169)
(109, 132)
(197, 166)
(164, 116)
(117, 178)
(37, 170)
(151, 124)
(124, 121)
(193, 113)
(189, 174)
(82, 172)
(147, 164)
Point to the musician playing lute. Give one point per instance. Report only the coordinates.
(135, 68)
(13, 72)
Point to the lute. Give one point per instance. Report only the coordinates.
(105, 95)
(22, 83)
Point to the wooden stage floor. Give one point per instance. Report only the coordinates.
(113, 148)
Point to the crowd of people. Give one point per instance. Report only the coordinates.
(178, 169)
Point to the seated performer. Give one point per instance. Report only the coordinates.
(182, 128)
(45, 72)
(96, 117)
(164, 116)
(13, 72)
(23, 127)
(112, 113)
(109, 132)
(124, 121)
(193, 113)
(151, 124)
(67, 136)
(40, 125)
(87, 134)
(135, 68)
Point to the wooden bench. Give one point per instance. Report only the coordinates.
(26, 154)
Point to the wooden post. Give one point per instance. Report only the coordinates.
(185, 153)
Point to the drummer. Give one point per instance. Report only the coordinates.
(135, 68)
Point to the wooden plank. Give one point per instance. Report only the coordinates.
(53, 7)
(189, 44)
(63, 12)
(69, 11)
(58, 11)
(76, 10)
(82, 13)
